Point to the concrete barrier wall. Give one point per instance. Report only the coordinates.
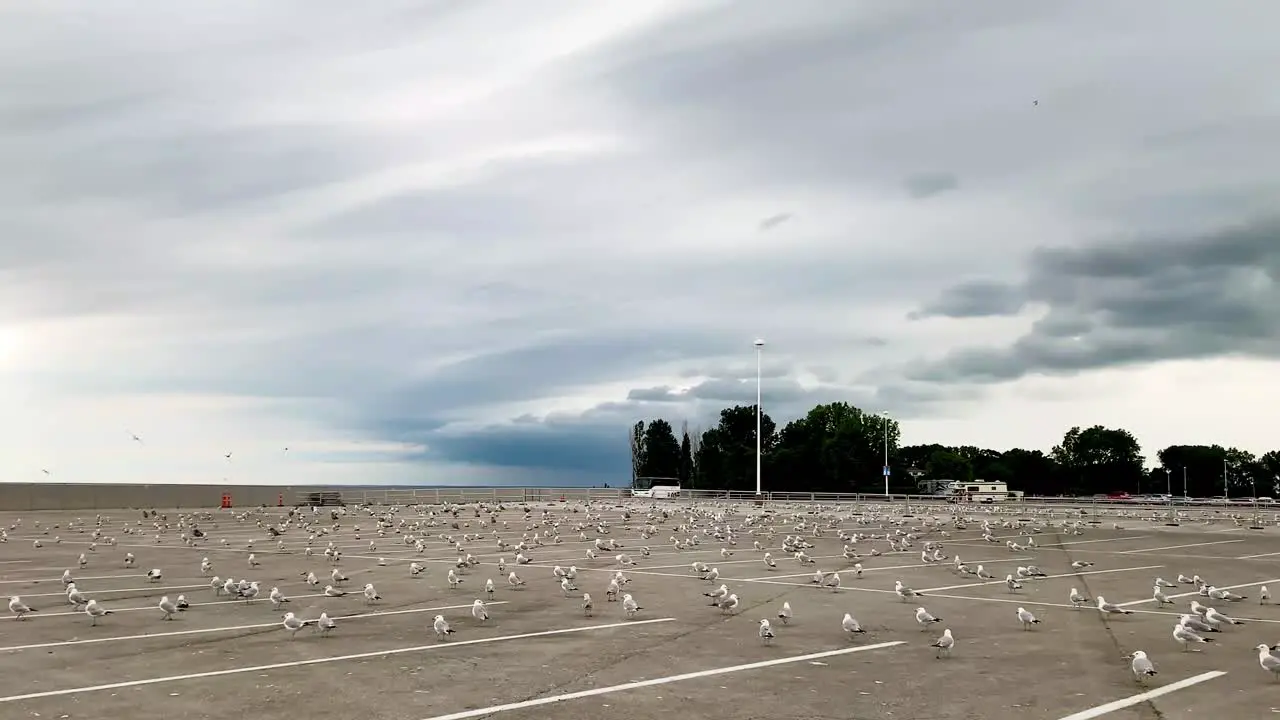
(63, 496)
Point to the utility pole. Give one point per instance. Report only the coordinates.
(885, 418)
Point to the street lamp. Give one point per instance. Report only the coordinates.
(885, 421)
(1226, 487)
(759, 351)
(1168, 484)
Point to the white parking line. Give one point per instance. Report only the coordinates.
(151, 589)
(1132, 700)
(1262, 555)
(318, 661)
(1197, 592)
(890, 567)
(133, 576)
(1176, 547)
(1102, 540)
(593, 692)
(232, 602)
(925, 591)
(229, 628)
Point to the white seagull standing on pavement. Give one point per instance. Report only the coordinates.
(944, 644)
(925, 619)
(292, 624)
(441, 626)
(766, 631)
(1107, 608)
(1027, 619)
(1141, 666)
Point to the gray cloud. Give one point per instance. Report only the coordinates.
(926, 185)
(1125, 302)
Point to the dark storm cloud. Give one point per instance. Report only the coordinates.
(1129, 301)
(926, 185)
(774, 221)
(975, 298)
(573, 447)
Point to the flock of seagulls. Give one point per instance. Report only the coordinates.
(864, 534)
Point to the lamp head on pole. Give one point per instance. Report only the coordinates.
(759, 343)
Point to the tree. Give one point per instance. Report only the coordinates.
(686, 458)
(726, 458)
(661, 457)
(1032, 472)
(837, 447)
(947, 465)
(1200, 465)
(637, 450)
(1100, 460)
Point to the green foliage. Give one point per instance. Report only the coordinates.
(838, 447)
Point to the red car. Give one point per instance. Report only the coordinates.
(1118, 496)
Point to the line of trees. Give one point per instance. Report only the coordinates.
(837, 447)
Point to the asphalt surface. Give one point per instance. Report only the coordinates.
(229, 658)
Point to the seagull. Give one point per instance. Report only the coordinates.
(324, 624)
(629, 605)
(1196, 623)
(454, 580)
(1263, 595)
(513, 580)
(729, 604)
(1081, 564)
(167, 607)
(154, 575)
(292, 624)
(1027, 619)
(441, 626)
(1269, 662)
(944, 643)
(785, 613)
(1216, 618)
(904, 592)
(1158, 595)
(852, 626)
(331, 591)
(277, 598)
(587, 604)
(1161, 582)
(1012, 584)
(766, 631)
(1078, 600)
(479, 611)
(371, 596)
(1107, 608)
(93, 610)
(19, 608)
(1185, 636)
(1141, 666)
(925, 619)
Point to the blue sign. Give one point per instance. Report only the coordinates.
(886, 471)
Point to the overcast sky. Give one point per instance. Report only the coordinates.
(448, 242)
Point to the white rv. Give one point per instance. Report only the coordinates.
(657, 492)
(979, 491)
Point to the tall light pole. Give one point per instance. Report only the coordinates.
(1226, 488)
(884, 419)
(759, 353)
(1185, 497)
(1168, 484)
